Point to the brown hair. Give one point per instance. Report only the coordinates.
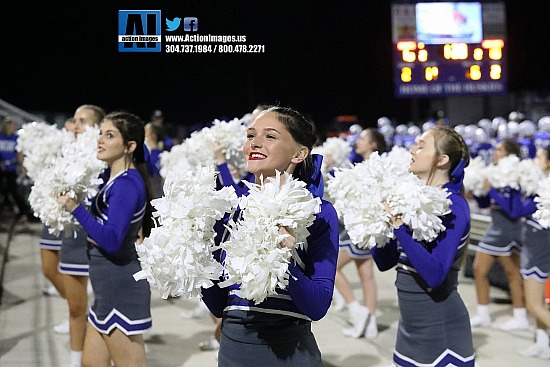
(447, 141)
(132, 128)
(378, 139)
(511, 147)
(302, 131)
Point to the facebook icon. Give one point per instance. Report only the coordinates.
(190, 24)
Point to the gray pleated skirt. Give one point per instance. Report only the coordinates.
(502, 237)
(535, 252)
(432, 328)
(49, 241)
(74, 258)
(255, 343)
(120, 301)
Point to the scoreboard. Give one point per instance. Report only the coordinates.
(449, 48)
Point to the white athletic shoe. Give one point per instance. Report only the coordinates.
(536, 350)
(208, 345)
(480, 321)
(50, 291)
(371, 332)
(338, 302)
(515, 323)
(359, 323)
(199, 312)
(62, 328)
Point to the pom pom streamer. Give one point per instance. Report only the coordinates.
(40, 143)
(399, 159)
(196, 150)
(530, 176)
(335, 148)
(335, 152)
(177, 256)
(254, 257)
(361, 193)
(73, 171)
(506, 173)
(475, 175)
(542, 215)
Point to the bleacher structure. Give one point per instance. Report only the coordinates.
(7, 109)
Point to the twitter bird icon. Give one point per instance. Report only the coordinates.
(172, 25)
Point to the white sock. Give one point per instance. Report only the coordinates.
(483, 310)
(76, 358)
(354, 306)
(337, 296)
(541, 337)
(520, 313)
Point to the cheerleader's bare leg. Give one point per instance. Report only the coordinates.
(50, 263)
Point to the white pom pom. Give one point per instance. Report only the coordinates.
(506, 173)
(337, 149)
(197, 149)
(73, 171)
(177, 256)
(475, 175)
(175, 160)
(255, 258)
(360, 195)
(530, 176)
(40, 143)
(399, 158)
(231, 136)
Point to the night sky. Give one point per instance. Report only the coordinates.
(323, 58)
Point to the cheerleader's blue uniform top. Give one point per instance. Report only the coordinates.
(277, 331)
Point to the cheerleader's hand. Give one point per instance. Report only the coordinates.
(290, 240)
(487, 185)
(328, 161)
(218, 152)
(395, 220)
(67, 203)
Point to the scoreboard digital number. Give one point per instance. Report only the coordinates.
(449, 48)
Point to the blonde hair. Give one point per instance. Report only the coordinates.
(98, 112)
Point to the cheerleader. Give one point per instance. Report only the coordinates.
(277, 332)
(434, 328)
(363, 317)
(535, 265)
(120, 313)
(501, 241)
(73, 260)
